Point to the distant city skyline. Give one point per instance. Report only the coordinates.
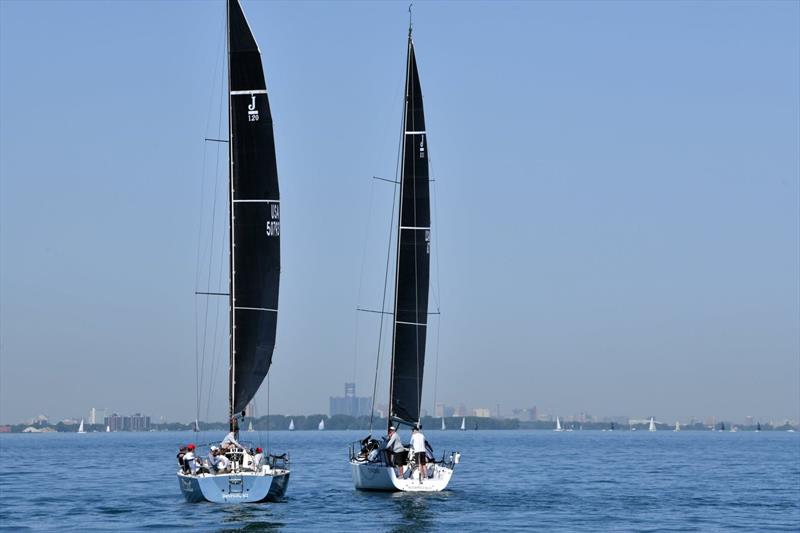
(616, 204)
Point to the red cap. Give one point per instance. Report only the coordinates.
(190, 447)
(259, 450)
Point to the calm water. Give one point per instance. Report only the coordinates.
(508, 480)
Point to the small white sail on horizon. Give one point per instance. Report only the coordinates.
(677, 426)
(463, 424)
(321, 425)
(558, 425)
(250, 427)
(652, 426)
(291, 424)
(443, 426)
(108, 429)
(80, 428)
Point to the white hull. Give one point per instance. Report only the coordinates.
(376, 476)
(244, 487)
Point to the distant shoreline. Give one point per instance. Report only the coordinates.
(343, 422)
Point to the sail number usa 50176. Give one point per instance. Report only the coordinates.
(274, 225)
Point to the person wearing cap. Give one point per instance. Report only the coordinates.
(258, 458)
(420, 453)
(216, 461)
(395, 452)
(190, 460)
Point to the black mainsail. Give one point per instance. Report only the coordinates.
(255, 215)
(413, 258)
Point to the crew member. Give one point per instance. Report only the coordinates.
(420, 454)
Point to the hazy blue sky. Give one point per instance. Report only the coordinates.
(617, 197)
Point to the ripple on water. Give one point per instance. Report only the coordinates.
(579, 481)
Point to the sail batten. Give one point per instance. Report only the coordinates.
(255, 215)
(413, 257)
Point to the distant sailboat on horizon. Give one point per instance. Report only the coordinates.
(558, 425)
(108, 429)
(444, 427)
(652, 426)
(80, 428)
(321, 425)
(463, 424)
(250, 427)
(291, 424)
(677, 426)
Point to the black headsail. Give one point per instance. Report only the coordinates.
(255, 215)
(413, 258)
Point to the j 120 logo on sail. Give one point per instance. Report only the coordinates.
(252, 112)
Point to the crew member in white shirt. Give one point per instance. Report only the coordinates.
(190, 460)
(395, 452)
(229, 442)
(418, 447)
(216, 461)
(258, 459)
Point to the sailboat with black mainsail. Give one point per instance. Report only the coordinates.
(371, 470)
(254, 260)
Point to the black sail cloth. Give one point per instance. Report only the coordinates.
(255, 215)
(413, 258)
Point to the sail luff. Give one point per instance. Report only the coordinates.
(231, 314)
(391, 416)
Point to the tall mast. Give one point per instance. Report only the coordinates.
(231, 288)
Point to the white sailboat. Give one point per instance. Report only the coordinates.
(652, 426)
(443, 426)
(370, 468)
(250, 427)
(108, 429)
(463, 424)
(291, 424)
(254, 277)
(321, 425)
(558, 425)
(677, 426)
(80, 427)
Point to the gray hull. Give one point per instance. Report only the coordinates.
(245, 487)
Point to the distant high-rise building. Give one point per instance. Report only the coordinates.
(93, 416)
(483, 412)
(137, 422)
(527, 414)
(350, 404)
(438, 410)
